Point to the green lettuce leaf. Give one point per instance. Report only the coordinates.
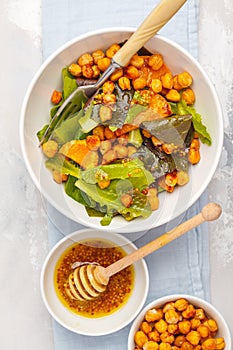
(182, 108)
(131, 169)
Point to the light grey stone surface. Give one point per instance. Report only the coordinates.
(24, 322)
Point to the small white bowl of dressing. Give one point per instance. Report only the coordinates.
(117, 306)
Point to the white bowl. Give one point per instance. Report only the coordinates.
(209, 309)
(35, 114)
(101, 325)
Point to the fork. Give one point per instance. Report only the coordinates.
(158, 17)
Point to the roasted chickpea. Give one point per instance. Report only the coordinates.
(109, 156)
(194, 154)
(131, 72)
(123, 140)
(152, 198)
(189, 312)
(117, 74)
(181, 304)
(97, 55)
(168, 306)
(109, 98)
(105, 146)
(162, 184)
(186, 346)
(56, 97)
(112, 50)
(171, 180)
(182, 178)
(99, 131)
(184, 79)
(203, 330)
(58, 177)
(165, 346)
(188, 96)
(173, 95)
(140, 338)
(176, 85)
(96, 71)
(131, 150)
(122, 151)
(103, 63)
(91, 160)
(108, 87)
(184, 326)
(85, 59)
(211, 324)
(200, 314)
(126, 199)
(160, 105)
(167, 337)
(75, 69)
(93, 142)
(161, 326)
(172, 328)
(220, 343)
(156, 85)
(193, 337)
(179, 340)
(167, 81)
(108, 133)
(154, 335)
(195, 323)
(124, 83)
(155, 61)
(145, 327)
(103, 184)
(197, 347)
(209, 344)
(87, 71)
(105, 113)
(139, 83)
(137, 61)
(171, 316)
(151, 345)
(50, 148)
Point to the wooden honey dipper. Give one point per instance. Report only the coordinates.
(89, 280)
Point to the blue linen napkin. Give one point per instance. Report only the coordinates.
(183, 265)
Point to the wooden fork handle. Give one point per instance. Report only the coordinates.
(159, 16)
(210, 212)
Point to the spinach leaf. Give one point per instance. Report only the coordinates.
(172, 129)
(72, 191)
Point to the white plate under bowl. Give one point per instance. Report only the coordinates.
(101, 325)
(35, 114)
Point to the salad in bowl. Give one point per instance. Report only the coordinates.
(138, 136)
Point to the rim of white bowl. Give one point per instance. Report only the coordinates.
(67, 213)
(193, 299)
(117, 237)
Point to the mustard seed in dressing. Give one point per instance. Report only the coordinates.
(118, 289)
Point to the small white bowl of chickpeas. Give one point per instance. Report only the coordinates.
(179, 321)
